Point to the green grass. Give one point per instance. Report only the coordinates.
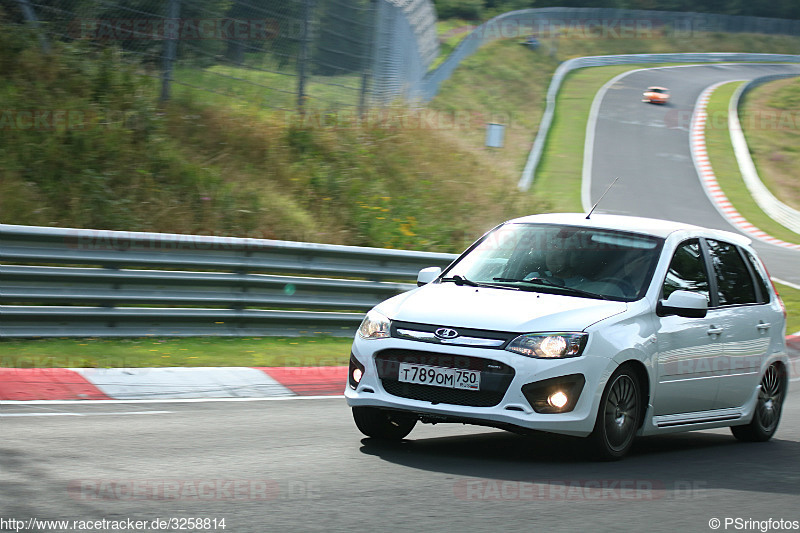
(260, 89)
(505, 83)
(791, 299)
(771, 123)
(202, 165)
(450, 32)
(726, 169)
(186, 352)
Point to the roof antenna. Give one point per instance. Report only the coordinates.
(601, 198)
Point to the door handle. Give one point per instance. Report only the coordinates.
(763, 326)
(715, 330)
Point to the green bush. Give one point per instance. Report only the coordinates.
(463, 9)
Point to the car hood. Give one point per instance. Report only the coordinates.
(448, 304)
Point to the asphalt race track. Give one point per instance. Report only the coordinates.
(647, 147)
(301, 465)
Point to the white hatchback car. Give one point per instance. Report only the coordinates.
(606, 328)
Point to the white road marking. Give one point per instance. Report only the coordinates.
(788, 284)
(10, 415)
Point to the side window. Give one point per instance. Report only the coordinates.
(734, 283)
(761, 282)
(687, 270)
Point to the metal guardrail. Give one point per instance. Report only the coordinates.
(57, 282)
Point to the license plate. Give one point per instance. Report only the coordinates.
(453, 378)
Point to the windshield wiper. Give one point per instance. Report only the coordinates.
(461, 280)
(536, 281)
(548, 283)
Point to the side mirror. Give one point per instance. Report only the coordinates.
(426, 275)
(683, 303)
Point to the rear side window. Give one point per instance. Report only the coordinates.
(735, 285)
(761, 283)
(687, 271)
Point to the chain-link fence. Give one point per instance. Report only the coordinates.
(283, 54)
(321, 54)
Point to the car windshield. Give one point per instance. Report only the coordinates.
(578, 261)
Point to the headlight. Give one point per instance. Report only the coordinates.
(549, 345)
(374, 326)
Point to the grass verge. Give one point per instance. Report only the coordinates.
(451, 32)
(149, 352)
(791, 299)
(200, 165)
(726, 169)
(771, 122)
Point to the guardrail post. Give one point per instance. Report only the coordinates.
(366, 69)
(30, 17)
(170, 49)
(305, 56)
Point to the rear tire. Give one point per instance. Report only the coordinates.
(383, 424)
(767, 414)
(618, 416)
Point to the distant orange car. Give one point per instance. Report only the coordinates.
(656, 95)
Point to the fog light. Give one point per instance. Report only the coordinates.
(558, 399)
(355, 372)
(555, 395)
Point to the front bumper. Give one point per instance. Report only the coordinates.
(506, 375)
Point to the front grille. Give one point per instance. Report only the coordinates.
(495, 377)
(466, 336)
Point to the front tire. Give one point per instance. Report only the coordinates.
(617, 417)
(768, 407)
(383, 424)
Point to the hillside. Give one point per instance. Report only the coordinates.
(225, 170)
(400, 179)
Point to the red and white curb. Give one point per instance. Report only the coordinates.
(26, 384)
(697, 140)
(179, 383)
